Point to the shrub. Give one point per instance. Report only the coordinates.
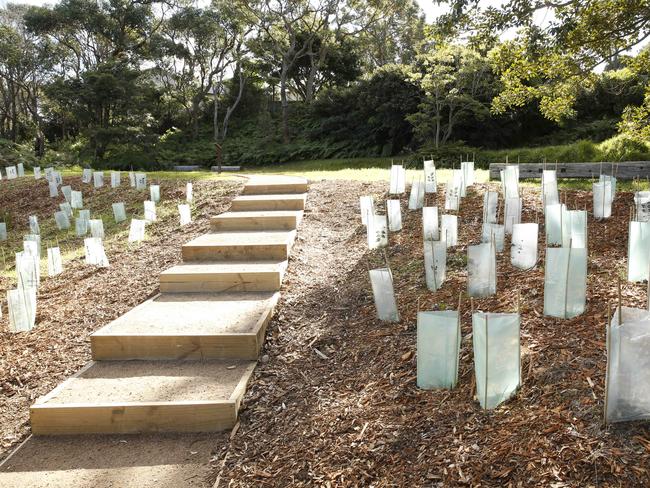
(624, 147)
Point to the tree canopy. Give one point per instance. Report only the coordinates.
(154, 82)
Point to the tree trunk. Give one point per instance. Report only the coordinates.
(284, 102)
(437, 131)
(215, 128)
(195, 118)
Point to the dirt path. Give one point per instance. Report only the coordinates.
(336, 403)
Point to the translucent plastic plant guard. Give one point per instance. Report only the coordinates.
(86, 175)
(116, 179)
(37, 173)
(638, 251)
(76, 200)
(67, 193)
(458, 181)
(132, 179)
(574, 228)
(377, 231)
(602, 200)
(553, 223)
(32, 243)
(119, 212)
(381, 280)
(185, 214)
(98, 179)
(66, 209)
(512, 213)
(136, 231)
(95, 254)
(20, 169)
(494, 233)
(397, 179)
(62, 220)
(54, 261)
(57, 178)
(81, 226)
(54, 191)
(550, 195)
(430, 230)
(449, 229)
(141, 181)
(438, 349)
(3, 231)
(510, 181)
(481, 270)
(149, 211)
(468, 172)
(452, 195)
(48, 173)
(22, 309)
(497, 362)
(28, 270)
(154, 193)
(189, 195)
(627, 391)
(523, 247)
(394, 211)
(610, 179)
(12, 172)
(565, 282)
(430, 181)
(367, 206)
(416, 197)
(34, 228)
(96, 228)
(490, 205)
(642, 202)
(435, 264)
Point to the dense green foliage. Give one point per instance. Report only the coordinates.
(135, 83)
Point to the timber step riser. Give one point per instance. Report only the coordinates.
(255, 224)
(289, 188)
(241, 346)
(266, 204)
(223, 253)
(131, 419)
(272, 282)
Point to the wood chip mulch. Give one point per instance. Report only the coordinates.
(335, 403)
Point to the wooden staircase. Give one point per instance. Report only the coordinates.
(180, 362)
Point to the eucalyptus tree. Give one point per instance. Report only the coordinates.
(102, 76)
(550, 61)
(194, 53)
(457, 82)
(26, 62)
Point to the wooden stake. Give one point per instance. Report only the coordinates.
(487, 351)
(608, 329)
(566, 289)
(620, 313)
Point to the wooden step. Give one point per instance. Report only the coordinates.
(189, 326)
(244, 245)
(124, 397)
(223, 276)
(257, 220)
(247, 203)
(265, 185)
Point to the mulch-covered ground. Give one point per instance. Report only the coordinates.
(85, 298)
(335, 401)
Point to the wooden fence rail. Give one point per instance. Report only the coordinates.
(624, 171)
